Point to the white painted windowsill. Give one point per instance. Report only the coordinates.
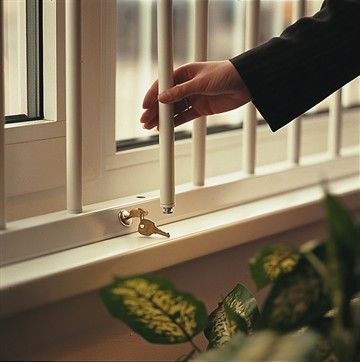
(64, 274)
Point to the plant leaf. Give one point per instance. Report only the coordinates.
(325, 351)
(237, 312)
(265, 346)
(322, 326)
(343, 255)
(296, 299)
(271, 262)
(340, 224)
(220, 328)
(153, 308)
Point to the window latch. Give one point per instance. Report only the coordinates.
(146, 227)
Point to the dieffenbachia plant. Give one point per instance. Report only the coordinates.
(311, 313)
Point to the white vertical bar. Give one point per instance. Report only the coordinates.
(335, 115)
(293, 141)
(238, 46)
(294, 128)
(249, 125)
(238, 40)
(145, 25)
(191, 30)
(73, 106)
(166, 112)
(278, 21)
(145, 45)
(2, 123)
(199, 124)
(145, 75)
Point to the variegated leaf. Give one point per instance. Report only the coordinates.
(237, 312)
(296, 299)
(271, 262)
(153, 308)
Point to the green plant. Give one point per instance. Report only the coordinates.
(311, 313)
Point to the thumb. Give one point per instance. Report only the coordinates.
(178, 92)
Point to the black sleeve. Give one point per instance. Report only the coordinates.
(310, 60)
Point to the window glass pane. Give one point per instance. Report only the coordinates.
(15, 57)
(136, 58)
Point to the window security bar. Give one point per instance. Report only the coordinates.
(145, 40)
(167, 195)
(238, 27)
(2, 124)
(294, 128)
(73, 106)
(199, 125)
(166, 112)
(251, 38)
(335, 124)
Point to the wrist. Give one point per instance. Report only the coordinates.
(236, 80)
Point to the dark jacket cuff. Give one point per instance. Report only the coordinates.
(311, 59)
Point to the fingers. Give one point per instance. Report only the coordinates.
(151, 95)
(185, 86)
(182, 89)
(178, 92)
(150, 117)
(179, 119)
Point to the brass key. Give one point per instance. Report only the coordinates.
(147, 228)
(140, 213)
(126, 217)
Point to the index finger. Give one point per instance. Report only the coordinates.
(180, 75)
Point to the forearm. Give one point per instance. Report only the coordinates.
(310, 60)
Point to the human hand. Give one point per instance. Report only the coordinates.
(201, 89)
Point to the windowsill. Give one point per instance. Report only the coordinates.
(53, 277)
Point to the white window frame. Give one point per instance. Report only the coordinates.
(113, 180)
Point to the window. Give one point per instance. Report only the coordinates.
(23, 60)
(38, 224)
(114, 179)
